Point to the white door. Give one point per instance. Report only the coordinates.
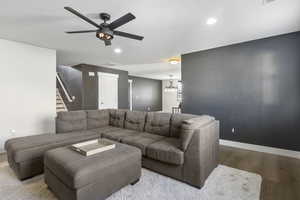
(108, 90)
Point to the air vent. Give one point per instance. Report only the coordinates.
(267, 1)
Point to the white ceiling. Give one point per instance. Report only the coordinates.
(161, 71)
(170, 27)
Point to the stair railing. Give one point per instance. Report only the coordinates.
(66, 93)
(61, 99)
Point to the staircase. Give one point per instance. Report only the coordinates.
(60, 105)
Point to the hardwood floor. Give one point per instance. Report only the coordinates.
(281, 175)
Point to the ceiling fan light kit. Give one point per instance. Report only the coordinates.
(105, 35)
(106, 31)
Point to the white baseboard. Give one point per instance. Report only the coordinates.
(264, 149)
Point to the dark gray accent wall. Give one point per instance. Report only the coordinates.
(253, 87)
(146, 93)
(72, 79)
(90, 85)
(85, 87)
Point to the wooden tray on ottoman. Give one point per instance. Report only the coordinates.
(92, 147)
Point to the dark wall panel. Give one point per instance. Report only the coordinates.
(90, 84)
(85, 87)
(146, 93)
(253, 87)
(72, 79)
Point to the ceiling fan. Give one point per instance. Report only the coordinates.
(106, 31)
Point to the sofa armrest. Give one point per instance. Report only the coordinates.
(202, 154)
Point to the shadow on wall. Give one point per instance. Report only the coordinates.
(48, 124)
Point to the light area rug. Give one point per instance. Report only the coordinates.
(224, 183)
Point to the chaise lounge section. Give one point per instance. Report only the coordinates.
(181, 146)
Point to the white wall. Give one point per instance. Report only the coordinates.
(27, 88)
(169, 98)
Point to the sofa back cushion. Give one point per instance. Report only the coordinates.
(117, 118)
(176, 123)
(97, 118)
(189, 126)
(71, 121)
(135, 120)
(158, 123)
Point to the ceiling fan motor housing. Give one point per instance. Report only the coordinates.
(104, 16)
(105, 34)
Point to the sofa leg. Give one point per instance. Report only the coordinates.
(133, 183)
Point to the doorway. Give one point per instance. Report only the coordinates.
(107, 90)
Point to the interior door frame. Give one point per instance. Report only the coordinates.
(101, 74)
(130, 93)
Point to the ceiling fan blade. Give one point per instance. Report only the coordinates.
(121, 21)
(82, 16)
(87, 31)
(128, 35)
(107, 42)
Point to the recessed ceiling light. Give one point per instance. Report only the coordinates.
(118, 50)
(174, 61)
(211, 21)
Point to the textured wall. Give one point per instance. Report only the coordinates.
(253, 87)
(146, 93)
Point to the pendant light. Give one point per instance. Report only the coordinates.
(170, 87)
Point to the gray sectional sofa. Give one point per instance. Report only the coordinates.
(181, 146)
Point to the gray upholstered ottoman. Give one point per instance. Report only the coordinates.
(72, 176)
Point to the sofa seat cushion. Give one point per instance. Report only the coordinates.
(106, 129)
(117, 117)
(166, 150)
(142, 141)
(39, 140)
(71, 121)
(158, 123)
(97, 118)
(78, 137)
(135, 120)
(120, 134)
(176, 123)
(32, 147)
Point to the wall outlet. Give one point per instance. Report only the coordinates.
(233, 130)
